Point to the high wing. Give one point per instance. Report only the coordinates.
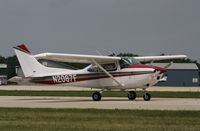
(154, 58)
(98, 60)
(76, 58)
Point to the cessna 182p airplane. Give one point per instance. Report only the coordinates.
(104, 72)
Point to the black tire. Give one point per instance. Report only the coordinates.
(131, 95)
(147, 96)
(96, 96)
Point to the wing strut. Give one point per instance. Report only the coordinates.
(97, 64)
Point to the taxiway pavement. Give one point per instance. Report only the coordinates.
(70, 88)
(106, 103)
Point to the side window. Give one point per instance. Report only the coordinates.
(107, 67)
(110, 66)
(93, 69)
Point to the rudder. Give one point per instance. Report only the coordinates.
(30, 66)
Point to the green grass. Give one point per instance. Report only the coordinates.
(20, 119)
(154, 94)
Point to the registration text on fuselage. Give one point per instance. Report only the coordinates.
(64, 78)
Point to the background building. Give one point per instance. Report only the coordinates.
(180, 74)
(3, 76)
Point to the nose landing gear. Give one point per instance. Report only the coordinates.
(147, 96)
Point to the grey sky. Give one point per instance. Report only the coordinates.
(145, 27)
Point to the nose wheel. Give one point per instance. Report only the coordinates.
(147, 96)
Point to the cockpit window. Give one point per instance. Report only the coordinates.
(127, 61)
(107, 67)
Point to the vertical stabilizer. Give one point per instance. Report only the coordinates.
(29, 64)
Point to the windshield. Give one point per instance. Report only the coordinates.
(127, 61)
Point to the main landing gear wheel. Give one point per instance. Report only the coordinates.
(147, 96)
(131, 95)
(96, 96)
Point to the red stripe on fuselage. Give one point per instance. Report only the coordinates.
(89, 78)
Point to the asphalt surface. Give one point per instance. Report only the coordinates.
(106, 103)
(69, 88)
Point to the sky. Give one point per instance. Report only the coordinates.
(144, 27)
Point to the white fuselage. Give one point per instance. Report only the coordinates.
(130, 78)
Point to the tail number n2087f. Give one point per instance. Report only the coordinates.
(64, 78)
